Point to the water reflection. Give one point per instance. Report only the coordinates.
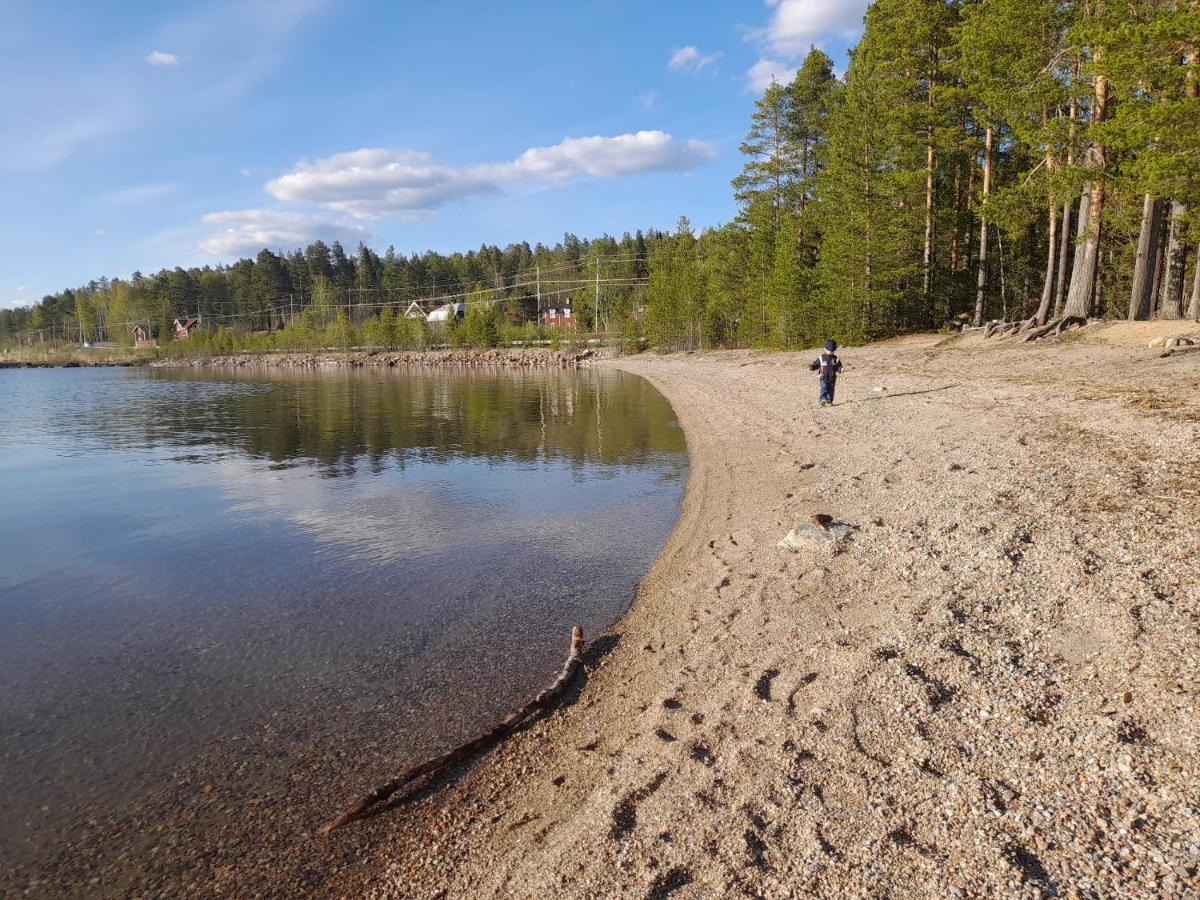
(343, 420)
(183, 557)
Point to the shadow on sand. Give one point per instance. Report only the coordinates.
(888, 396)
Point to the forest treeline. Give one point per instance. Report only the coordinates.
(979, 159)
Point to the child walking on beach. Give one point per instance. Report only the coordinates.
(827, 366)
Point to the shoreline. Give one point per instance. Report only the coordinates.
(939, 700)
(469, 358)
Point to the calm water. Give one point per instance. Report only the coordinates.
(188, 560)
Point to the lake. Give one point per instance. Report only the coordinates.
(227, 590)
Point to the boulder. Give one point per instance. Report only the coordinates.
(819, 529)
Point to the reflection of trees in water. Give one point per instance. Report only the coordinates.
(343, 419)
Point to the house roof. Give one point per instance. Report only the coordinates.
(186, 323)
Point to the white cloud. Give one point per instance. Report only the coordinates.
(246, 231)
(798, 24)
(159, 58)
(762, 73)
(371, 182)
(648, 100)
(101, 232)
(610, 157)
(690, 59)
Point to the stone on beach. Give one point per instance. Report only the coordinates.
(817, 530)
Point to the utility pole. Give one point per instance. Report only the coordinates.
(538, 275)
(596, 311)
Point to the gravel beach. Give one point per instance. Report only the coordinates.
(989, 688)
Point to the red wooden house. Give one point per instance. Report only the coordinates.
(143, 337)
(558, 315)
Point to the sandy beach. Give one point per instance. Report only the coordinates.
(990, 688)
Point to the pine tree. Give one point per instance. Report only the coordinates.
(866, 266)
(674, 297)
(810, 95)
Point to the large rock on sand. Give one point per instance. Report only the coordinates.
(818, 530)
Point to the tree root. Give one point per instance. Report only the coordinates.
(1004, 329)
(1054, 326)
(466, 751)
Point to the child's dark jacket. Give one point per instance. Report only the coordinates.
(827, 365)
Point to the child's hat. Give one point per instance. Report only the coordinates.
(831, 345)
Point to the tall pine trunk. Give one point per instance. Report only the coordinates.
(981, 277)
(1043, 309)
(1193, 93)
(1064, 257)
(927, 286)
(957, 216)
(1172, 285)
(1194, 306)
(1087, 261)
(1141, 294)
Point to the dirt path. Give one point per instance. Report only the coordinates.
(992, 688)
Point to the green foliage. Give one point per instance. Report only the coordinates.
(479, 328)
(675, 297)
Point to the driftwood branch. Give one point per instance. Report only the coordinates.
(465, 751)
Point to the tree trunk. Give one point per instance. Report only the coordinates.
(1083, 279)
(981, 277)
(1043, 309)
(957, 217)
(1142, 292)
(1081, 223)
(1064, 257)
(1171, 304)
(927, 286)
(1194, 306)
(1193, 92)
(965, 260)
(1060, 295)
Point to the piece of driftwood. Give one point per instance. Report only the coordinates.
(465, 751)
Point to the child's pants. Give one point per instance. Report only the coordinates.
(827, 391)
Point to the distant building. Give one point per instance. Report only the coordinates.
(182, 328)
(143, 337)
(443, 313)
(558, 315)
(414, 311)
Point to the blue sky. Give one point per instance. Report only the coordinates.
(141, 135)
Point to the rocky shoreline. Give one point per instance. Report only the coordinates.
(499, 358)
(69, 364)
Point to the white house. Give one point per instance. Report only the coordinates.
(443, 313)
